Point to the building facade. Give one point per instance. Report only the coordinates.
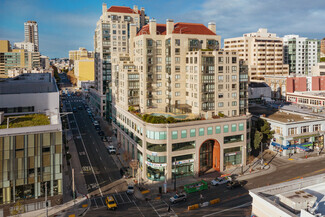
(301, 54)
(322, 45)
(111, 38)
(84, 70)
(80, 54)
(30, 153)
(295, 132)
(31, 34)
(177, 71)
(262, 52)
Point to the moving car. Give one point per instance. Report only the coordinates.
(103, 138)
(220, 181)
(233, 184)
(130, 189)
(111, 149)
(74, 109)
(110, 203)
(178, 197)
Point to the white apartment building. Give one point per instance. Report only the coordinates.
(176, 97)
(111, 37)
(301, 53)
(28, 46)
(31, 34)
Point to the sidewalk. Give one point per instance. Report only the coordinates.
(301, 157)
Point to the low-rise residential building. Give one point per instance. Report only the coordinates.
(300, 197)
(80, 54)
(314, 99)
(295, 132)
(318, 70)
(30, 139)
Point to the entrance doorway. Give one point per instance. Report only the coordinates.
(209, 156)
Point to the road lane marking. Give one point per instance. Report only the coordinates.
(127, 196)
(232, 208)
(100, 158)
(95, 203)
(138, 208)
(100, 190)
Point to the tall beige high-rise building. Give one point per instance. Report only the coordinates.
(111, 37)
(176, 98)
(262, 52)
(31, 34)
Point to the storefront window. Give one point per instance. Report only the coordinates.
(156, 147)
(225, 128)
(201, 132)
(231, 139)
(184, 134)
(174, 135)
(193, 132)
(183, 165)
(210, 130)
(155, 173)
(156, 159)
(232, 156)
(183, 146)
(218, 129)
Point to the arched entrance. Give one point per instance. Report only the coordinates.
(209, 156)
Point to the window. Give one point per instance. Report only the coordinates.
(158, 43)
(220, 59)
(177, 93)
(177, 85)
(177, 77)
(220, 95)
(201, 131)
(233, 59)
(220, 69)
(234, 69)
(241, 127)
(177, 42)
(177, 51)
(159, 92)
(159, 76)
(292, 131)
(183, 146)
(159, 84)
(234, 77)
(231, 139)
(220, 78)
(209, 130)
(233, 127)
(220, 104)
(177, 59)
(192, 132)
(317, 127)
(218, 129)
(304, 129)
(158, 60)
(234, 103)
(114, 31)
(225, 128)
(183, 134)
(159, 100)
(174, 135)
(158, 68)
(234, 95)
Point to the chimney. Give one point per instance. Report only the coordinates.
(104, 8)
(212, 27)
(152, 27)
(135, 8)
(169, 26)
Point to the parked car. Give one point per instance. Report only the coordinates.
(130, 189)
(220, 181)
(103, 138)
(101, 133)
(233, 184)
(178, 197)
(74, 109)
(95, 123)
(111, 149)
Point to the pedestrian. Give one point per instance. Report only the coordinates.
(201, 198)
(168, 210)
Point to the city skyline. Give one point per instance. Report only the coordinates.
(67, 26)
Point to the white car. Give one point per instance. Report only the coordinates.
(130, 189)
(178, 197)
(220, 181)
(111, 149)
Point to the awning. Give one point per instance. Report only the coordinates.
(277, 145)
(301, 147)
(306, 144)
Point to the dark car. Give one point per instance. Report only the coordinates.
(101, 133)
(97, 128)
(233, 184)
(80, 107)
(74, 109)
(104, 139)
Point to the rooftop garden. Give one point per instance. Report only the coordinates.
(25, 121)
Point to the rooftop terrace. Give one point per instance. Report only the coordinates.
(30, 120)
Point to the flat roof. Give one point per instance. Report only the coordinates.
(287, 117)
(28, 83)
(312, 187)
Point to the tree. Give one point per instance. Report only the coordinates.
(257, 139)
(267, 132)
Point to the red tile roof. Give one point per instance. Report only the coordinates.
(122, 9)
(180, 28)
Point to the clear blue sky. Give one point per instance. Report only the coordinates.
(69, 24)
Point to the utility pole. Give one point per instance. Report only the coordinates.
(262, 161)
(73, 190)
